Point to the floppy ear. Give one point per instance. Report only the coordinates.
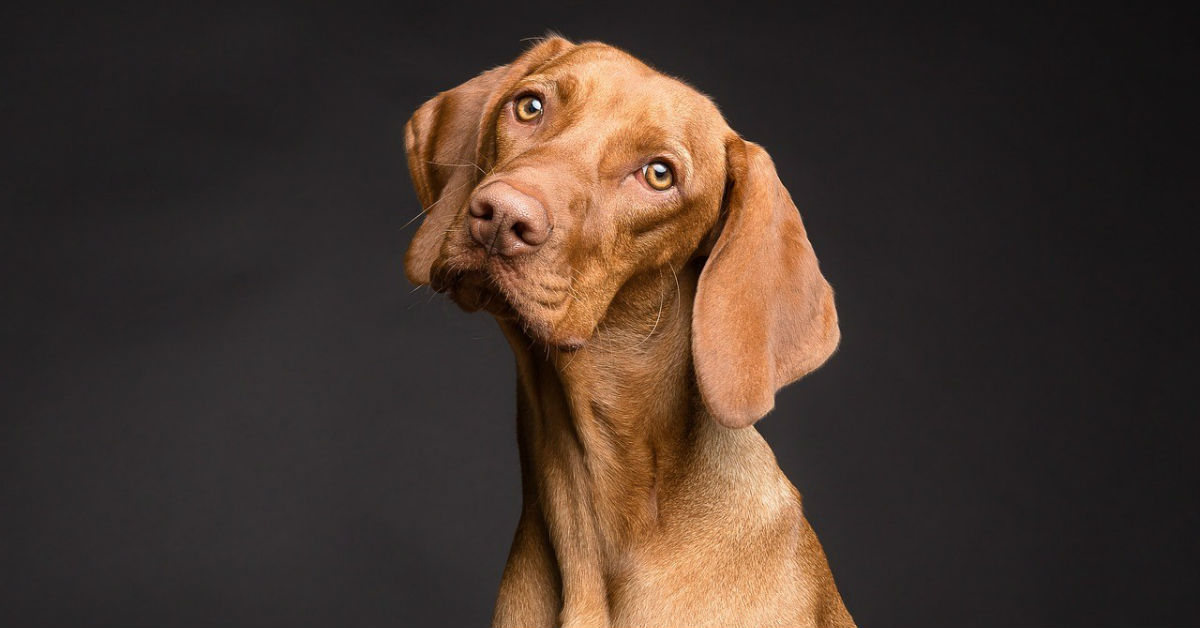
(444, 138)
(763, 315)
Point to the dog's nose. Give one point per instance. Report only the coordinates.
(506, 221)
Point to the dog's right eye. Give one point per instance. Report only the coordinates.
(528, 108)
(658, 175)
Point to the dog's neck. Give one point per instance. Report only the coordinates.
(608, 419)
(611, 432)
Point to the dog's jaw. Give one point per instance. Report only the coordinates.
(477, 281)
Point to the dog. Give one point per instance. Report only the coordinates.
(657, 285)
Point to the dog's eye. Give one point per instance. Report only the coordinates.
(658, 175)
(528, 108)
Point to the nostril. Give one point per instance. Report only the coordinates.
(525, 233)
(520, 228)
(529, 232)
(482, 210)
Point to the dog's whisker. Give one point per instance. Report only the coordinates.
(572, 360)
(491, 295)
(426, 210)
(414, 218)
(446, 163)
(678, 290)
(454, 165)
(661, 301)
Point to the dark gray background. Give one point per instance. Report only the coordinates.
(223, 404)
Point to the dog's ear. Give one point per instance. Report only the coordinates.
(444, 139)
(764, 315)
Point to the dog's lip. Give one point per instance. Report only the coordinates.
(454, 282)
(475, 287)
(445, 282)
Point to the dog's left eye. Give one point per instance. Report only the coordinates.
(528, 108)
(658, 175)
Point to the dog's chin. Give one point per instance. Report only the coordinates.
(478, 289)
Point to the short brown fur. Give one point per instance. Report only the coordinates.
(651, 330)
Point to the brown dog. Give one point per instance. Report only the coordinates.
(657, 286)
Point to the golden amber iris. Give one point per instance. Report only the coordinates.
(528, 108)
(658, 175)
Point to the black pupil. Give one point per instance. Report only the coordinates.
(532, 106)
(659, 170)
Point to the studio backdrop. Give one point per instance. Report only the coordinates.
(223, 403)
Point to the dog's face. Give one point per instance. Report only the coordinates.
(597, 169)
(556, 182)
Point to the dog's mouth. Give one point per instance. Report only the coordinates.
(477, 281)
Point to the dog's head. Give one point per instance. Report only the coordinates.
(551, 183)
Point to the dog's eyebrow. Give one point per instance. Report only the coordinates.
(644, 144)
(560, 89)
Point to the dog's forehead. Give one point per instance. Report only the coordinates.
(625, 104)
(599, 77)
